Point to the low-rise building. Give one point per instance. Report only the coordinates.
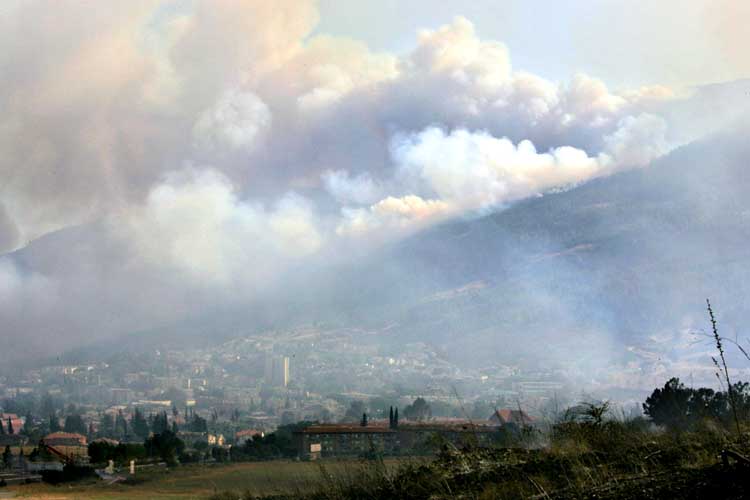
(16, 423)
(65, 439)
(341, 440)
(216, 439)
(69, 444)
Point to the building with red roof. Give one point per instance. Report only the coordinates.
(16, 422)
(338, 440)
(507, 416)
(65, 439)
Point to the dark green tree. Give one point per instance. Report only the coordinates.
(107, 426)
(278, 444)
(28, 425)
(74, 423)
(47, 405)
(742, 399)
(139, 424)
(160, 423)
(670, 405)
(197, 424)
(10, 426)
(54, 423)
(101, 451)
(121, 425)
(7, 458)
(165, 445)
(678, 407)
(219, 454)
(418, 410)
(363, 422)
(355, 411)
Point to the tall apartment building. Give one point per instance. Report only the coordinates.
(276, 371)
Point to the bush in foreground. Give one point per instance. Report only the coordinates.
(609, 459)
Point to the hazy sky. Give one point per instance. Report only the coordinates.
(625, 42)
(201, 149)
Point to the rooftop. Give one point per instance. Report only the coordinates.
(427, 426)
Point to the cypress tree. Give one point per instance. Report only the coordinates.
(10, 426)
(107, 426)
(28, 425)
(363, 423)
(390, 419)
(395, 419)
(54, 424)
(121, 425)
(139, 425)
(7, 457)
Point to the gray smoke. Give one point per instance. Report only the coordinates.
(159, 161)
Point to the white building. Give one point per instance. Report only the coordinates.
(277, 371)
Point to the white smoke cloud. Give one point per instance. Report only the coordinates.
(233, 123)
(100, 100)
(637, 141)
(461, 171)
(361, 189)
(455, 51)
(108, 107)
(194, 222)
(8, 232)
(399, 214)
(11, 282)
(330, 68)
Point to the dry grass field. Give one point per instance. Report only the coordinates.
(197, 482)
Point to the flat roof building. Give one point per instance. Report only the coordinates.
(342, 440)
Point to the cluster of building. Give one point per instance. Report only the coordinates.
(251, 385)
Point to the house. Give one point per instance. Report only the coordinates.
(216, 439)
(507, 416)
(73, 446)
(65, 439)
(16, 422)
